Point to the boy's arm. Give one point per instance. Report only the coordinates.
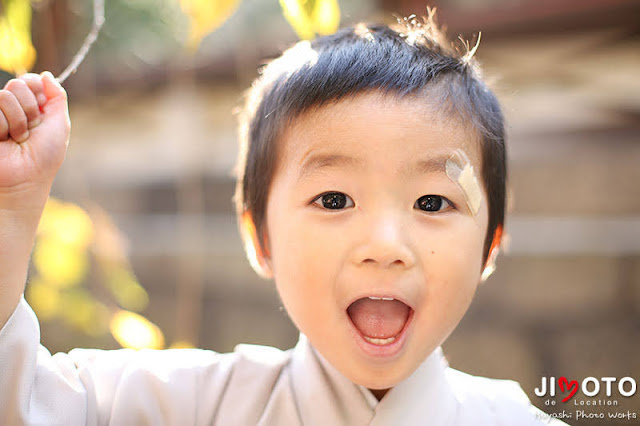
(34, 133)
(84, 386)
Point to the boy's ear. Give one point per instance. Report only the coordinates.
(494, 250)
(257, 257)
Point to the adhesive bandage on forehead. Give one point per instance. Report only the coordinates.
(460, 170)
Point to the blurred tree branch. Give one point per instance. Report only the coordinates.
(98, 21)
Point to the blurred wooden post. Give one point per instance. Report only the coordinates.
(49, 24)
(191, 223)
(190, 281)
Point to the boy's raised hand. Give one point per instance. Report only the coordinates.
(34, 133)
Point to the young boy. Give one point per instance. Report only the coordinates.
(371, 189)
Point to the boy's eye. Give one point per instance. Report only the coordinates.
(334, 201)
(432, 203)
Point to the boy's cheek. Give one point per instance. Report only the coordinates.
(459, 238)
(454, 261)
(303, 251)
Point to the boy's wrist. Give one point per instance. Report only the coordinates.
(17, 238)
(25, 202)
(20, 212)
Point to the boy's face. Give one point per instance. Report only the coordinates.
(360, 205)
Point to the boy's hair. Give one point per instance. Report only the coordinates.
(410, 60)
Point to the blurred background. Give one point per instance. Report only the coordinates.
(140, 246)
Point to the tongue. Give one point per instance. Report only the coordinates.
(379, 319)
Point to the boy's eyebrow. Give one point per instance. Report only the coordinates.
(429, 165)
(320, 161)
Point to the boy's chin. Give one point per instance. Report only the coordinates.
(377, 380)
(381, 374)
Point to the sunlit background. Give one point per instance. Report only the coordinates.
(139, 248)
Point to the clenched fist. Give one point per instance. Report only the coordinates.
(34, 133)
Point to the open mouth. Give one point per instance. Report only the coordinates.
(379, 320)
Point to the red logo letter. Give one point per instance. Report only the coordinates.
(566, 385)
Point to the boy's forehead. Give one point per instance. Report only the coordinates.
(346, 132)
(320, 159)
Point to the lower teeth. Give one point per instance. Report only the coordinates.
(379, 341)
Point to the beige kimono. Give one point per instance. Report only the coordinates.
(254, 385)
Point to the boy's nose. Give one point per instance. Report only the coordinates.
(385, 244)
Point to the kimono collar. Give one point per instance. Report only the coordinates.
(325, 396)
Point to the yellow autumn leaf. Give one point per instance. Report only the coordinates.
(98, 324)
(326, 16)
(67, 223)
(125, 287)
(298, 17)
(134, 331)
(17, 54)
(59, 264)
(80, 310)
(206, 16)
(43, 298)
(309, 18)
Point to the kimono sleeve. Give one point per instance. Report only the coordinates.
(36, 388)
(88, 386)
